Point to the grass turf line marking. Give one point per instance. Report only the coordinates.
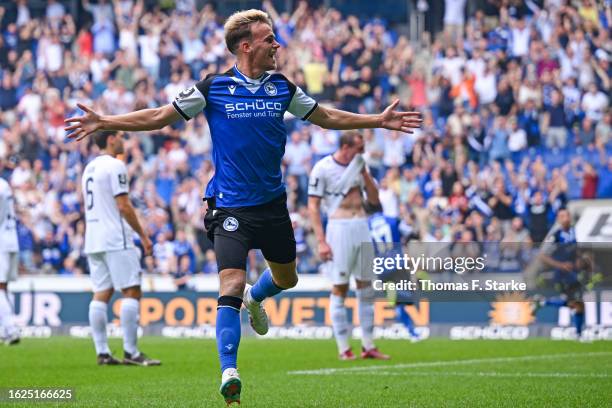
(330, 371)
(485, 374)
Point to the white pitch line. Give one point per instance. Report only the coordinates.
(487, 374)
(330, 371)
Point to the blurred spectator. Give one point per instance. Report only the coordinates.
(297, 159)
(50, 254)
(604, 187)
(590, 180)
(70, 267)
(454, 18)
(210, 262)
(555, 122)
(537, 215)
(594, 102)
(163, 253)
(184, 253)
(182, 274)
(517, 140)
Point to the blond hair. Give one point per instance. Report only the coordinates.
(238, 26)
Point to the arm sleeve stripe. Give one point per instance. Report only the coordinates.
(180, 111)
(292, 88)
(316, 105)
(121, 194)
(314, 195)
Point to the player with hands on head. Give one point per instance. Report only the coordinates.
(340, 181)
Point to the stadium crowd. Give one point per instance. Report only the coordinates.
(515, 97)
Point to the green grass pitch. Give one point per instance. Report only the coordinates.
(306, 373)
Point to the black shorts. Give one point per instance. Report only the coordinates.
(571, 291)
(234, 231)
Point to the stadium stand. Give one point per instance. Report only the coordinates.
(515, 96)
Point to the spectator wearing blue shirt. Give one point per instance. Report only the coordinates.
(604, 188)
(50, 252)
(183, 249)
(183, 272)
(26, 242)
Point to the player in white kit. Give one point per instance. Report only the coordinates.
(114, 260)
(9, 249)
(339, 181)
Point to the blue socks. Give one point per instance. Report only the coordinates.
(228, 330)
(578, 317)
(405, 319)
(578, 323)
(264, 287)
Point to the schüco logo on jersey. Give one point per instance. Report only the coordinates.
(258, 105)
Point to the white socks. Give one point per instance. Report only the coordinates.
(98, 321)
(339, 319)
(7, 326)
(366, 317)
(129, 323)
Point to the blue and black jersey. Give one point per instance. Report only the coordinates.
(563, 248)
(384, 230)
(245, 117)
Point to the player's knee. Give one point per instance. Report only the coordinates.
(104, 296)
(233, 288)
(340, 290)
(293, 280)
(289, 281)
(284, 275)
(232, 282)
(132, 292)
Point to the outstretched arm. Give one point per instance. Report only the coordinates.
(145, 119)
(269, 8)
(331, 118)
(299, 12)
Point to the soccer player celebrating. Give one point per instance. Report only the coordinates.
(246, 197)
(340, 180)
(9, 248)
(386, 237)
(560, 253)
(114, 261)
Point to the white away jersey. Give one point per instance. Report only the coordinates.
(105, 178)
(324, 180)
(8, 222)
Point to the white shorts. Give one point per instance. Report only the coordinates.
(8, 266)
(115, 269)
(346, 237)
